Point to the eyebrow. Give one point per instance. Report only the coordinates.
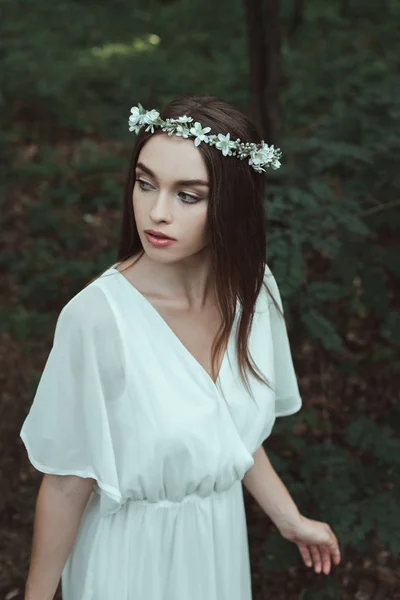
(143, 167)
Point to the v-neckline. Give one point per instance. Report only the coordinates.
(174, 336)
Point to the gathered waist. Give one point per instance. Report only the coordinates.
(215, 496)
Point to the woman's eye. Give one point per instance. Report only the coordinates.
(189, 199)
(142, 183)
(193, 199)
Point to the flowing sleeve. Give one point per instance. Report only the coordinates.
(67, 430)
(287, 395)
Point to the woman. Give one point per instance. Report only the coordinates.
(166, 375)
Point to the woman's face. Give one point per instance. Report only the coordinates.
(166, 199)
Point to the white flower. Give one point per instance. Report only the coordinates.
(137, 117)
(267, 153)
(199, 133)
(135, 123)
(151, 118)
(184, 119)
(256, 158)
(225, 144)
(135, 128)
(182, 131)
(276, 163)
(260, 157)
(257, 167)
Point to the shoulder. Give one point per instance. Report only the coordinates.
(88, 347)
(89, 311)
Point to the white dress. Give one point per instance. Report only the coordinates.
(123, 401)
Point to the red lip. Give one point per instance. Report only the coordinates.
(159, 234)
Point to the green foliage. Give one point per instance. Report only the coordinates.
(353, 483)
(279, 554)
(366, 435)
(69, 74)
(23, 324)
(330, 589)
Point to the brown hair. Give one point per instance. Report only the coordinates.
(236, 219)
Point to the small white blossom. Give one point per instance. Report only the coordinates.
(225, 144)
(135, 128)
(137, 117)
(151, 118)
(256, 157)
(183, 131)
(199, 133)
(276, 163)
(184, 119)
(267, 153)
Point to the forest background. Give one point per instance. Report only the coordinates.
(322, 80)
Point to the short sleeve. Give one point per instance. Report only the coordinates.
(287, 395)
(67, 430)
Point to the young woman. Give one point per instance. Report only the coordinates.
(166, 375)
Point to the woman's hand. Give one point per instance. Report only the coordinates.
(316, 542)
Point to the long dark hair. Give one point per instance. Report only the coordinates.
(236, 220)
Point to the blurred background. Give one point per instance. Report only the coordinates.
(322, 81)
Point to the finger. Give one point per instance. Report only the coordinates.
(305, 554)
(333, 546)
(326, 559)
(334, 549)
(316, 558)
(336, 556)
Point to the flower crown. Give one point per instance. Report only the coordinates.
(260, 155)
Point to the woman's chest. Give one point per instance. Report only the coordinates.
(167, 361)
(195, 330)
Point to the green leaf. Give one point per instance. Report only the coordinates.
(322, 329)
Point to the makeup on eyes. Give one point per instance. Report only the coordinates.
(179, 183)
(194, 198)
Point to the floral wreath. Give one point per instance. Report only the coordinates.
(261, 156)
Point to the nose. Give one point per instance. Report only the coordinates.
(162, 207)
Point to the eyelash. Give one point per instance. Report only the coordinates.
(195, 198)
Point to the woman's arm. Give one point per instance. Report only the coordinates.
(266, 487)
(315, 540)
(59, 507)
